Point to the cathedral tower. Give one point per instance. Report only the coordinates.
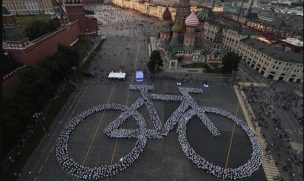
(182, 11)
(165, 28)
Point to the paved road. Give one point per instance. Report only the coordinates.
(126, 49)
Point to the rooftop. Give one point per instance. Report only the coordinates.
(279, 54)
(294, 42)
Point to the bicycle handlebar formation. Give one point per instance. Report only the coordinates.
(180, 116)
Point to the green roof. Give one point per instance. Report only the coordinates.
(176, 28)
(202, 15)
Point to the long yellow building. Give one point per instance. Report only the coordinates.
(150, 9)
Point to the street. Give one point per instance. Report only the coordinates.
(126, 49)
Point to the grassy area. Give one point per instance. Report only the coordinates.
(195, 65)
(34, 140)
(25, 21)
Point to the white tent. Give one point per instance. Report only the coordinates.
(117, 75)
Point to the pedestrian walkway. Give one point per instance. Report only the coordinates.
(254, 84)
(270, 169)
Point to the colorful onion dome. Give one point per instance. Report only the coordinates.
(167, 15)
(192, 20)
(176, 27)
(202, 15)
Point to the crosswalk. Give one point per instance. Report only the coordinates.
(270, 169)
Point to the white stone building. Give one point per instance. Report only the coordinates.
(272, 62)
(275, 62)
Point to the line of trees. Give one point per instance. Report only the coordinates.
(35, 87)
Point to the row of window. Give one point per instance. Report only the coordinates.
(27, 4)
(249, 60)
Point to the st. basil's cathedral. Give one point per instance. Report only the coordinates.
(182, 40)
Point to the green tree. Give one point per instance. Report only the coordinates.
(39, 27)
(155, 62)
(53, 24)
(230, 62)
(35, 87)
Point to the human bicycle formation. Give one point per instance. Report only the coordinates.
(181, 116)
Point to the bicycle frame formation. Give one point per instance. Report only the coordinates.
(186, 110)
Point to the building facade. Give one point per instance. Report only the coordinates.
(145, 8)
(231, 35)
(88, 25)
(29, 7)
(11, 29)
(277, 63)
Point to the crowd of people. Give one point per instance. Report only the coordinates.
(142, 134)
(123, 27)
(263, 102)
(243, 171)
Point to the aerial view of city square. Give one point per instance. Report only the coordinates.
(145, 90)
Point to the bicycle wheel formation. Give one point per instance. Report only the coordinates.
(181, 117)
(96, 173)
(243, 171)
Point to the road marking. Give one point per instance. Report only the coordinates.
(52, 148)
(124, 59)
(47, 158)
(127, 100)
(40, 169)
(229, 148)
(231, 138)
(99, 123)
(38, 162)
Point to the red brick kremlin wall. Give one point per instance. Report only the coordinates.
(45, 45)
(87, 24)
(8, 86)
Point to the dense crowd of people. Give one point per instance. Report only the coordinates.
(142, 134)
(263, 102)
